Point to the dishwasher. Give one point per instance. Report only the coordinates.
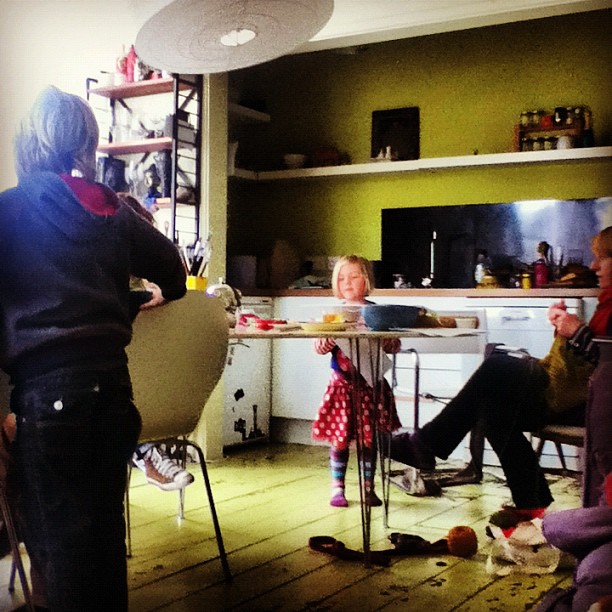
(525, 325)
(247, 399)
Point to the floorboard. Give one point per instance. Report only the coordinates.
(270, 500)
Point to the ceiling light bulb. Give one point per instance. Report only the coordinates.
(237, 37)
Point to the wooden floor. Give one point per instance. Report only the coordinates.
(270, 500)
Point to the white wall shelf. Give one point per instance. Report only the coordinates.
(434, 163)
(246, 114)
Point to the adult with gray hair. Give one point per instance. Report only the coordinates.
(67, 250)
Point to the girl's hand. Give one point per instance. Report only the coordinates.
(323, 346)
(566, 324)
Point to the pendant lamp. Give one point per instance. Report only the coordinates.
(209, 36)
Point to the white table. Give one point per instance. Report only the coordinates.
(366, 353)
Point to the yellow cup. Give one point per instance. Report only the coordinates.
(197, 283)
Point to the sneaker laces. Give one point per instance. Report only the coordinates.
(164, 465)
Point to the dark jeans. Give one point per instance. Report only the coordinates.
(75, 434)
(507, 395)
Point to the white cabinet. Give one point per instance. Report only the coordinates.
(247, 383)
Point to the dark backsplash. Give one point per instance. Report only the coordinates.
(509, 232)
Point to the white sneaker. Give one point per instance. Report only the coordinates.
(162, 471)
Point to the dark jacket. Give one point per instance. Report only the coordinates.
(64, 275)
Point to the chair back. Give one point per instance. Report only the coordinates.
(176, 358)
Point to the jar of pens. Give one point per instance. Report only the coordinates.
(196, 258)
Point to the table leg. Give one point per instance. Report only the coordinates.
(385, 439)
(366, 453)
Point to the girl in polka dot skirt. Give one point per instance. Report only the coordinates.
(351, 282)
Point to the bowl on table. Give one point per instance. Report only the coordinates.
(383, 317)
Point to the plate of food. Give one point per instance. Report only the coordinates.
(287, 326)
(320, 326)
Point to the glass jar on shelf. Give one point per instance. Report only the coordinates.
(534, 118)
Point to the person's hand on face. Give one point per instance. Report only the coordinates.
(351, 283)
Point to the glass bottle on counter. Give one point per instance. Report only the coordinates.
(541, 266)
(483, 266)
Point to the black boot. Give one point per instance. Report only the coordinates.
(409, 449)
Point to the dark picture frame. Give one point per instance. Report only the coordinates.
(399, 129)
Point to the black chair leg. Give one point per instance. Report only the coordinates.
(183, 444)
(17, 566)
(211, 502)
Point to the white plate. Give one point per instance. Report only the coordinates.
(315, 326)
(286, 326)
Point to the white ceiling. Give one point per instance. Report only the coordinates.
(359, 22)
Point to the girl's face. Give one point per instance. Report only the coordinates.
(602, 266)
(351, 283)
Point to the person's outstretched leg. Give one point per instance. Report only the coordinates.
(338, 460)
(516, 404)
(443, 433)
(508, 394)
(472, 472)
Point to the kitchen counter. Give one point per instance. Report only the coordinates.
(560, 292)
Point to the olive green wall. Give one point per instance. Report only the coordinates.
(470, 87)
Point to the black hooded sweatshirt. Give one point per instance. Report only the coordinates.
(64, 274)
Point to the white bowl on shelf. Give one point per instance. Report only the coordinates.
(294, 160)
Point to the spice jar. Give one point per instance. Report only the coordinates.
(525, 280)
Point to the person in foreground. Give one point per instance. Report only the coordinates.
(351, 282)
(67, 250)
(512, 392)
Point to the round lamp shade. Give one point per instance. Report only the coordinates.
(209, 36)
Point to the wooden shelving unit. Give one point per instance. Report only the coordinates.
(136, 89)
(127, 147)
(186, 109)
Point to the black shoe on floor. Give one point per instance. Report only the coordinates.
(408, 449)
(468, 475)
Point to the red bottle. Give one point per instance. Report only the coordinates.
(540, 273)
(130, 65)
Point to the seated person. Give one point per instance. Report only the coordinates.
(586, 532)
(512, 392)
